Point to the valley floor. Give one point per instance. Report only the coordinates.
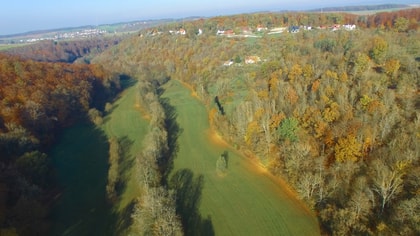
(243, 201)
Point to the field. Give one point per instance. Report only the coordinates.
(127, 125)
(245, 200)
(81, 159)
(372, 12)
(9, 46)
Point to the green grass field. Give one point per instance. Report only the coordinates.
(244, 201)
(127, 124)
(372, 12)
(9, 46)
(81, 160)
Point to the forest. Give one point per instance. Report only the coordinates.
(64, 51)
(334, 113)
(38, 99)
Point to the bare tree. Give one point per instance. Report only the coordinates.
(362, 199)
(155, 214)
(387, 181)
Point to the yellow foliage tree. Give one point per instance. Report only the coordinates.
(212, 115)
(344, 77)
(292, 96)
(315, 85)
(391, 67)
(379, 49)
(273, 82)
(331, 113)
(295, 72)
(320, 127)
(331, 75)
(276, 119)
(308, 71)
(348, 149)
(364, 101)
(250, 131)
(361, 63)
(258, 113)
(263, 94)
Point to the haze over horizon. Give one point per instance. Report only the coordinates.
(27, 15)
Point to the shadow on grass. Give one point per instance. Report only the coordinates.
(188, 195)
(126, 161)
(80, 159)
(126, 81)
(124, 220)
(174, 131)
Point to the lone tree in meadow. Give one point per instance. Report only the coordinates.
(222, 163)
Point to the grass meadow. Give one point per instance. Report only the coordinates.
(244, 200)
(81, 160)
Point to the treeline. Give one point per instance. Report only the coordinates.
(335, 113)
(64, 51)
(155, 210)
(403, 21)
(37, 99)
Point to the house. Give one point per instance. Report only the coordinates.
(335, 27)
(252, 59)
(294, 29)
(225, 32)
(229, 32)
(261, 28)
(246, 30)
(349, 27)
(182, 31)
(155, 32)
(228, 63)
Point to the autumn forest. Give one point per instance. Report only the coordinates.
(334, 113)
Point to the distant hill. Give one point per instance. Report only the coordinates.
(122, 27)
(362, 8)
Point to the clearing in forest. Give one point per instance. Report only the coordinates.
(243, 200)
(81, 160)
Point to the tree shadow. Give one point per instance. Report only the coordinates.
(125, 163)
(174, 131)
(124, 220)
(126, 81)
(188, 195)
(80, 159)
(225, 154)
(103, 92)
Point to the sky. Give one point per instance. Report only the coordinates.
(19, 16)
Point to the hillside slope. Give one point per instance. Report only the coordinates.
(242, 201)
